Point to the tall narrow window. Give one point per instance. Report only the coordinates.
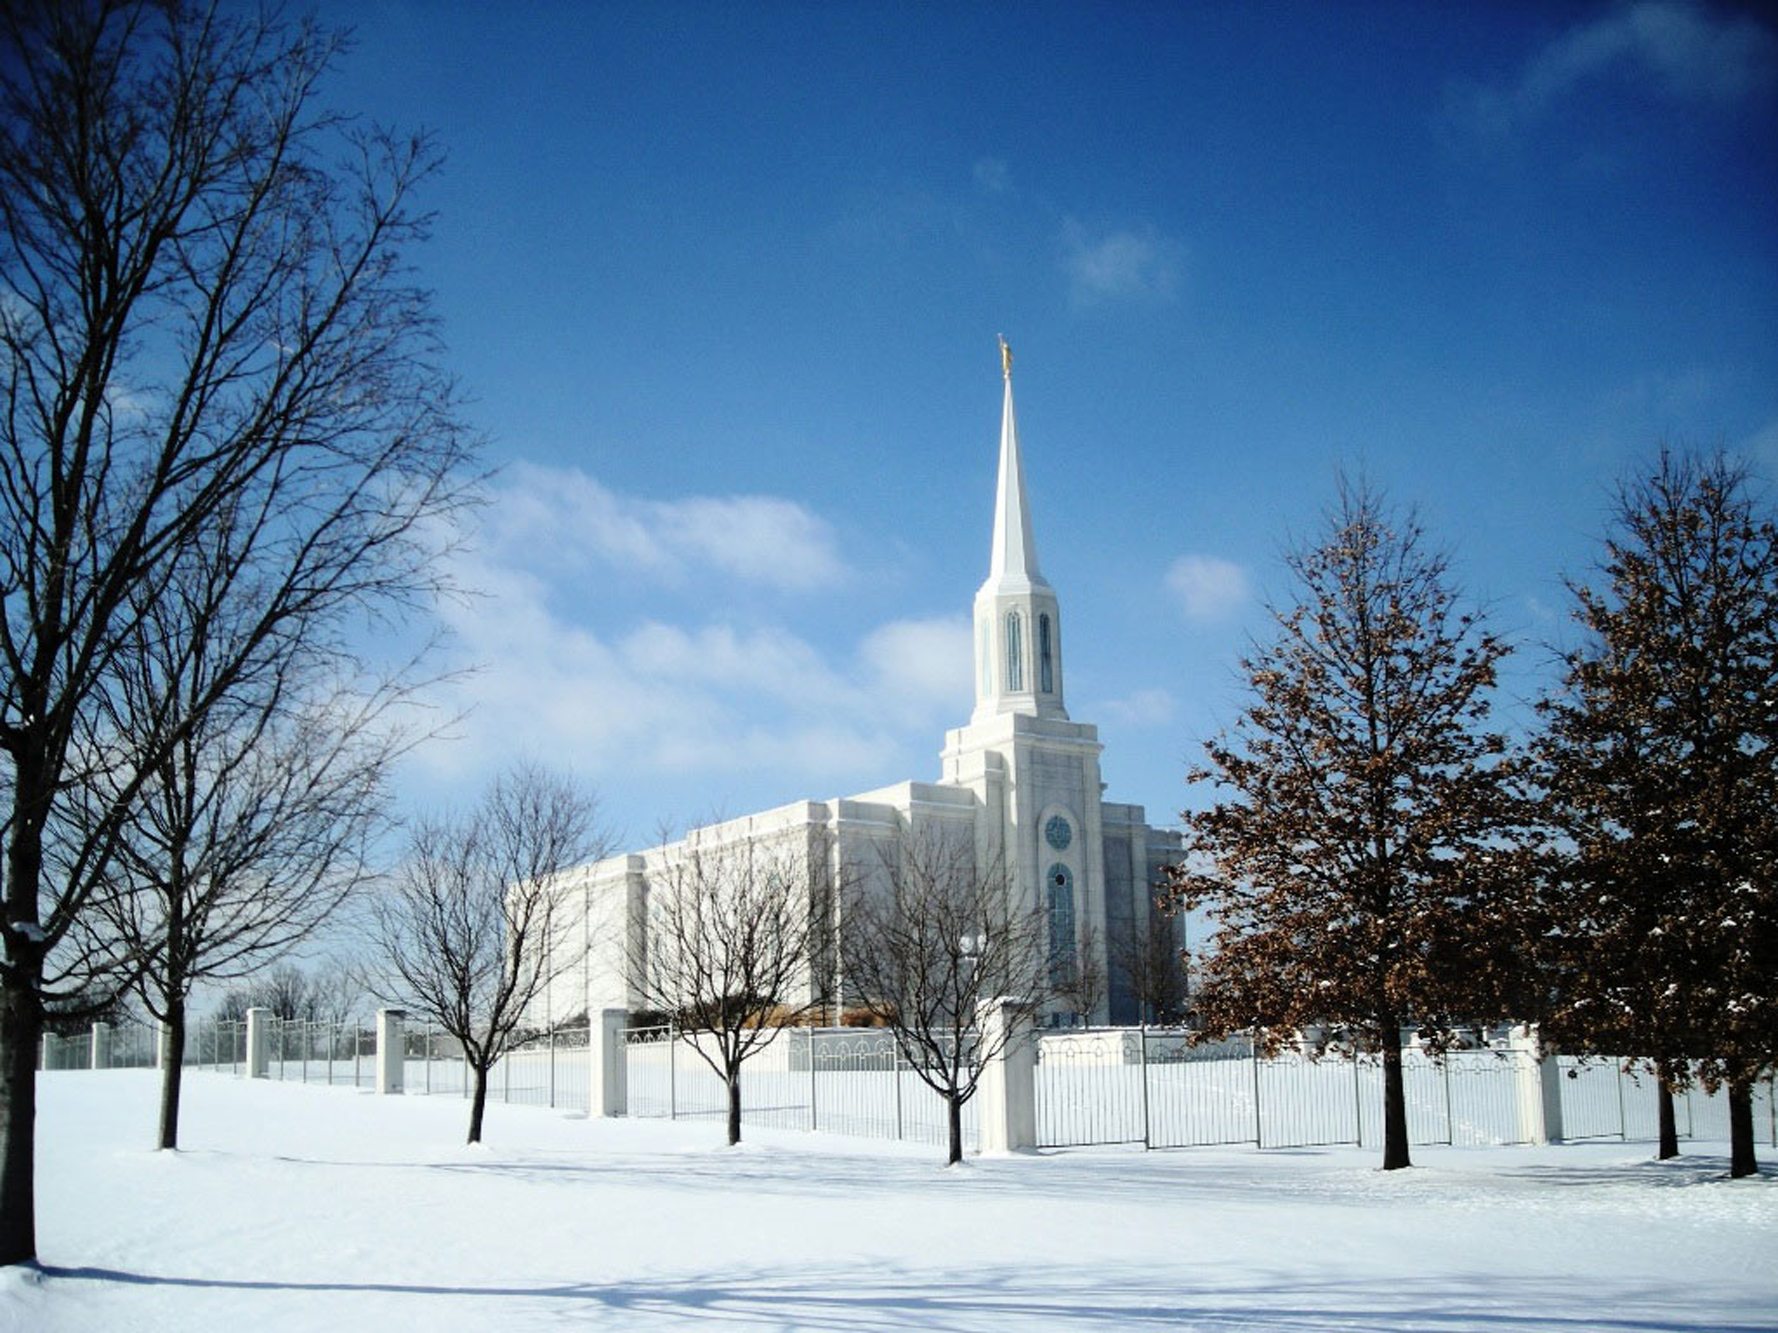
(1046, 670)
(1061, 914)
(1015, 652)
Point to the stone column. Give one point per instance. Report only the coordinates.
(607, 1063)
(1540, 1088)
(101, 1046)
(391, 1050)
(259, 1033)
(1007, 1093)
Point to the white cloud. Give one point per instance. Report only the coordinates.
(992, 176)
(922, 666)
(1119, 265)
(564, 517)
(1207, 586)
(707, 698)
(1144, 708)
(1685, 50)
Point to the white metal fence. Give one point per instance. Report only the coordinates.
(1091, 1086)
(1134, 1085)
(549, 1069)
(842, 1080)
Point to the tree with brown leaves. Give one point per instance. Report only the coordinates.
(1354, 872)
(1661, 758)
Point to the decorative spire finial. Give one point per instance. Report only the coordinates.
(1005, 357)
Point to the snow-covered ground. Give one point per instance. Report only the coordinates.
(298, 1207)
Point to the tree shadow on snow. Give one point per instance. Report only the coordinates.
(1084, 1298)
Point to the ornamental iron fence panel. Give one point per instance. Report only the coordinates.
(1135, 1085)
(1608, 1098)
(852, 1081)
(334, 1054)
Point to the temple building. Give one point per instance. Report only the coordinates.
(1021, 778)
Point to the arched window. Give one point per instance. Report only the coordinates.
(1046, 670)
(1060, 882)
(1015, 652)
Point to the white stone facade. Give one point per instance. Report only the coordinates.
(1020, 778)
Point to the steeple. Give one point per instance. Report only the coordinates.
(1018, 626)
(1012, 563)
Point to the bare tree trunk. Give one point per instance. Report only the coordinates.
(21, 1029)
(172, 1073)
(1395, 1102)
(1669, 1123)
(954, 1123)
(1741, 1157)
(478, 1103)
(734, 1105)
(21, 1009)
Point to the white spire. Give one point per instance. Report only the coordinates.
(1018, 624)
(1012, 564)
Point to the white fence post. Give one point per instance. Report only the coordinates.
(1008, 1092)
(101, 1046)
(391, 1050)
(607, 1063)
(258, 1043)
(1539, 1090)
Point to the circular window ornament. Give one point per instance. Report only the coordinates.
(1057, 833)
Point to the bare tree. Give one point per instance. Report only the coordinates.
(205, 321)
(337, 994)
(479, 921)
(253, 827)
(1153, 963)
(924, 943)
(731, 944)
(328, 994)
(1078, 976)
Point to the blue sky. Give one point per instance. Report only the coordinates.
(724, 281)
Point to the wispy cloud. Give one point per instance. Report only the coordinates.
(563, 515)
(1105, 266)
(1143, 708)
(992, 176)
(1688, 52)
(1207, 586)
